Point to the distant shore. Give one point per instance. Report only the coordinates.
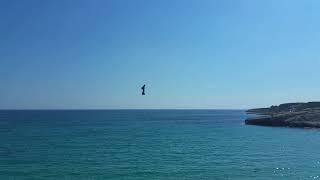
(301, 115)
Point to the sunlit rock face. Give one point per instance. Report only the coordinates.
(290, 115)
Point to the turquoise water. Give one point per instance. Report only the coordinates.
(152, 144)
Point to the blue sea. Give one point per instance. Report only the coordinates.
(152, 144)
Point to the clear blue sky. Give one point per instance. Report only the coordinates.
(190, 54)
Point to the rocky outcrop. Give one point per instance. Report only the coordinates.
(289, 115)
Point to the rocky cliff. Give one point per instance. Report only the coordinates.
(289, 114)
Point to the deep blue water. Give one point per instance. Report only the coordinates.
(152, 144)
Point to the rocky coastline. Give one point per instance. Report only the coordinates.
(303, 115)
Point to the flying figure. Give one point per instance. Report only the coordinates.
(143, 89)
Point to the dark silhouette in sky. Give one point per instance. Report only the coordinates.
(143, 87)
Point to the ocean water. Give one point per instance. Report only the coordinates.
(152, 144)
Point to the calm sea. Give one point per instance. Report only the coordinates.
(152, 144)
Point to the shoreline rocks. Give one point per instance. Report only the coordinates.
(287, 115)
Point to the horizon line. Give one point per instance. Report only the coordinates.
(102, 109)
